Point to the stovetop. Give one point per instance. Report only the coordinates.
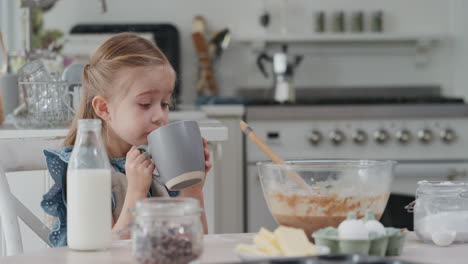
(360, 96)
(361, 101)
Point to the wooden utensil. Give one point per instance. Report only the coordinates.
(218, 43)
(206, 82)
(273, 156)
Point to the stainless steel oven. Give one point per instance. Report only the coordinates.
(426, 135)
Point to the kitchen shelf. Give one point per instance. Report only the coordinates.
(420, 40)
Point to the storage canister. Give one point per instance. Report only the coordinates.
(167, 230)
(441, 211)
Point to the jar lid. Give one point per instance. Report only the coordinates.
(443, 187)
(165, 206)
(442, 183)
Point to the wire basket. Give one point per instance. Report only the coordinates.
(45, 105)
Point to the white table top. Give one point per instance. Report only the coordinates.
(219, 249)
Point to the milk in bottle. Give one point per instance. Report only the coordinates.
(89, 190)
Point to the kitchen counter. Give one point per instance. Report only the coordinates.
(211, 130)
(220, 249)
(235, 110)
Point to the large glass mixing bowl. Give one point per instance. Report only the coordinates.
(333, 189)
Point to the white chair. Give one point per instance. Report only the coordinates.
(21, 154)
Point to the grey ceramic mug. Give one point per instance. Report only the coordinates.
(177, 151)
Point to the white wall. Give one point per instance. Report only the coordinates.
(323, 65)
(459, 32)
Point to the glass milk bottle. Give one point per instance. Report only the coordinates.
(89, 209)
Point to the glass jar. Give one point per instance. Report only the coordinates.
(167, 230)
(441, 207)
(339, 22)
(377, 22)
(357, 21)
(320, 22)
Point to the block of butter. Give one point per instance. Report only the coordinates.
(293, 242)
(284, 241)
(244, 248)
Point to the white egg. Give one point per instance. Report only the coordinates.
(443, 238)
(353, 229)
(375, 226)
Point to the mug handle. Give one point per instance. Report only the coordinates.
(144, 149)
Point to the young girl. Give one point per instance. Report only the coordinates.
(128, 85)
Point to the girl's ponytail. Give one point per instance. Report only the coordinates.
(85, 111)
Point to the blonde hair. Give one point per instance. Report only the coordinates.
(119, 51)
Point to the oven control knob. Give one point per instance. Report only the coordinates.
(425, 136)
(314, 137)
(381, 136)
(359, 137)
(448, 135)
(403, 136)
(337, 137)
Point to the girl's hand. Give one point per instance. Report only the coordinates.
(139, 170)
(196, 189)
(207, 156)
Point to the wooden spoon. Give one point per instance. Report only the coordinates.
(273, 156)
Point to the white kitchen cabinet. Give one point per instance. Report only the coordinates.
(229, 184)
(257, 208)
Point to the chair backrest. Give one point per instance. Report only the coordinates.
(21, 154)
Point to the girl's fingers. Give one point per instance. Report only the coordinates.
(140, 159)
(133, 153)
(204, 142)
(146, 163)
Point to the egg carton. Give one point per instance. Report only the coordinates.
(390, 244)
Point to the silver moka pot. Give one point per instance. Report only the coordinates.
(283, 67)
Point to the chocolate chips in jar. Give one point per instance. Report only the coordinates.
(166, 246)
(167, 238)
